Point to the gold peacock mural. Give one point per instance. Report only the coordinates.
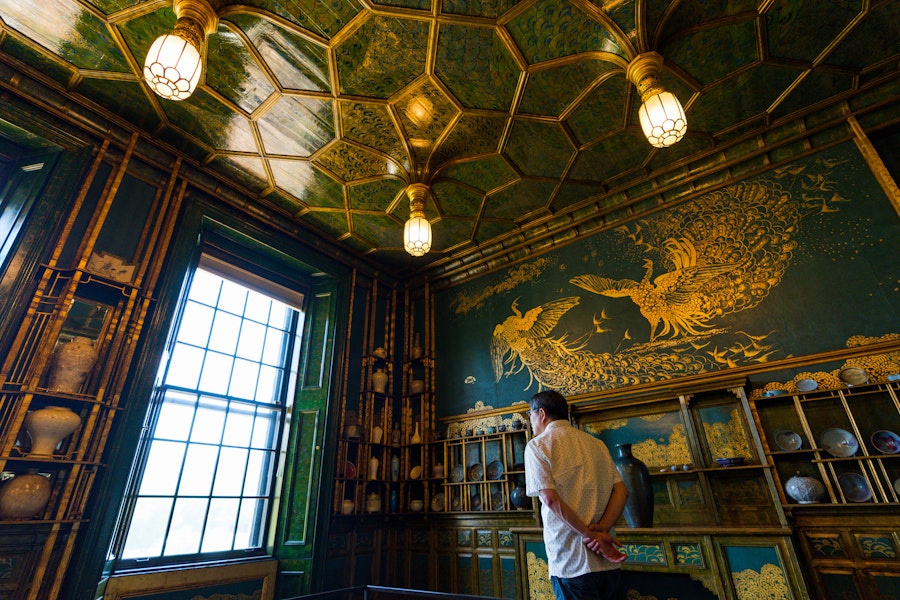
(713, 256)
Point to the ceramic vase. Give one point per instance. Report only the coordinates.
(639, 506)
(373, 468)
(71, 364)
(395, 468)
(416, 386)
(416, 437)
(394, 501)
(48, 426)
(24, 496)
(373, 502)
(519, 498)
(347, 507)
(805, 490)
(377, 434)
(416, 350)
(438, 470)
(379, 381)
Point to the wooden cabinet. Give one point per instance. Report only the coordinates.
(95, 289)
(848, 530)
(845, 438)
(684, 439)
(481, 470)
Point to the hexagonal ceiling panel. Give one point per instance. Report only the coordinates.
(513, 112)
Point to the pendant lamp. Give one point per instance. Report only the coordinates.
(661, 114)
(417, 231)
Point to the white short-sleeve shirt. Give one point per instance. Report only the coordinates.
(579, 467)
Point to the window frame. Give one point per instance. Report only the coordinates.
(292, 294)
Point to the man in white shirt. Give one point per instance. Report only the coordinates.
(582, 496)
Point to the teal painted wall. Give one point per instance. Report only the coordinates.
(798, 260)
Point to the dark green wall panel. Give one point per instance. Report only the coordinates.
(799, 260)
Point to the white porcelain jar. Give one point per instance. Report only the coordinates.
(805, 490)
(48, 426)
(71, 364)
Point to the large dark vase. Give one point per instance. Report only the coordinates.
(639, 507)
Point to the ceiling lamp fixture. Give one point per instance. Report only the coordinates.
(174, 62)
(661, 114)
(417, 232)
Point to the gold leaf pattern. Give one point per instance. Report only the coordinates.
(768, 583)
(727, 439)
(538, 578)
(674, 452)
(877, 366)
(463, 303)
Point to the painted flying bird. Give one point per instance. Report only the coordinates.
(715, 255)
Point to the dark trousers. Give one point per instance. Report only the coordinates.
(600, 585)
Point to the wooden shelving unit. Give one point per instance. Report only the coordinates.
(78, 296)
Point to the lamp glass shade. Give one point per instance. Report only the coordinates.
(173, 67)
(417, 236)
(662, 119)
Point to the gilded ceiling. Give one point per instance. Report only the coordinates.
(514, 113)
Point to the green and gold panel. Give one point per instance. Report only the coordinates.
(645, 554)
(876, 545)
(537, 570)
(505, 539)
(486, 575)
(825, 545)
(688, 555)
(756, 271)
(464, 537)
(509, 587)
(690, 493)
(757, 572)
(464, 574)
(445, 573)
(658, 440)
(743, 498)
(485, 538)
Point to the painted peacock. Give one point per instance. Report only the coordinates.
(721, 253)
(523, 341)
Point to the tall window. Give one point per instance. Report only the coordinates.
(208, 469)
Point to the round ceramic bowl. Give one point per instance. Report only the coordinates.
(495, 470)
(839, 442)
(855, 487)
(416, 505)
(773, 393)
(476, 472)
(807, 385)
(788, 440)
(886, 442)
(853, 376)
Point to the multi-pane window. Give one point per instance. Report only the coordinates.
(209, 469)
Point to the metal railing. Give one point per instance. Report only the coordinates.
(378, 592)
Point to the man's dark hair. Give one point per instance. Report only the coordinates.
(553, 403)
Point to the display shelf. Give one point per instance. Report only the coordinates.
(858, 412)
